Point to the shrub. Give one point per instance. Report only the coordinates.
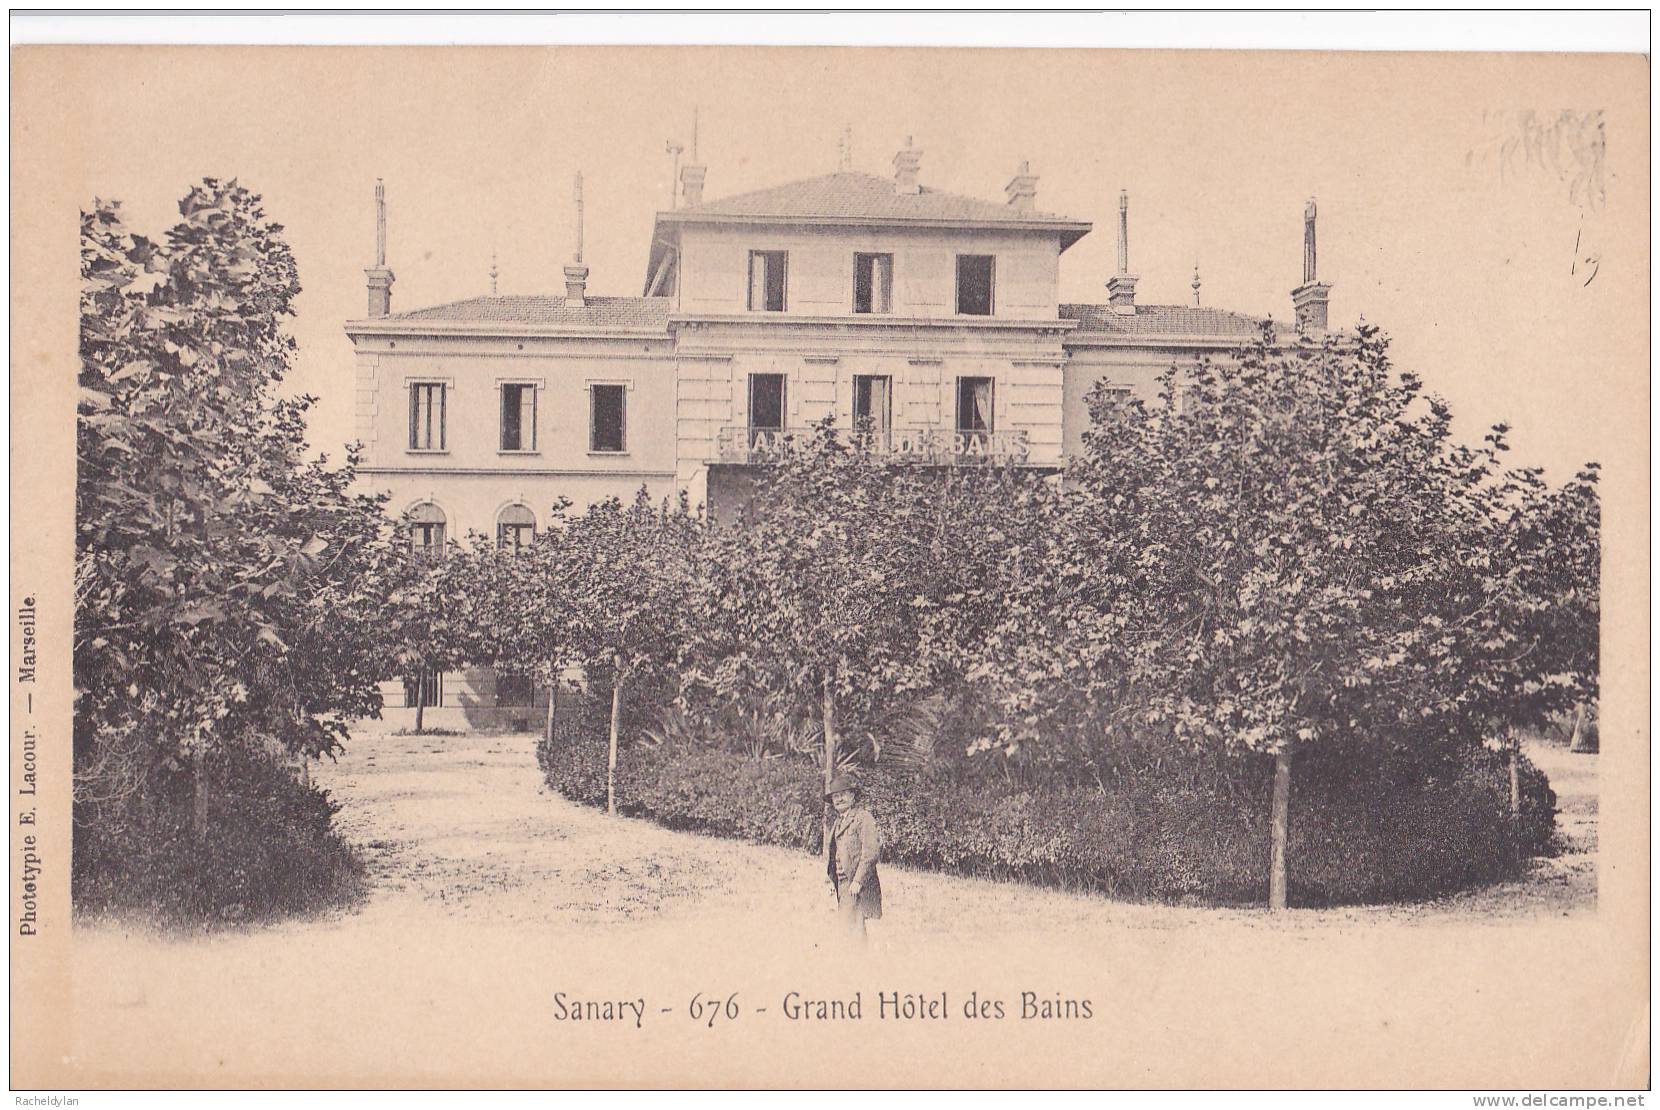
(269, 848)
(1183, 827)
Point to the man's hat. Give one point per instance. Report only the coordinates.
(840, 783)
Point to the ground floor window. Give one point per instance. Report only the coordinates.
(515, 528)
(513, 689)
(424, 689)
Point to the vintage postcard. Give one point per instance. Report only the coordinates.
(828, 567)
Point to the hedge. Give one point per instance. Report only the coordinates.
(1183, 831)
(270, 848)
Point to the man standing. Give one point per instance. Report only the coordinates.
(855, 847)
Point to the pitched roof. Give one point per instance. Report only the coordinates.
(1152, 320)
(853, 197)
(547, 311)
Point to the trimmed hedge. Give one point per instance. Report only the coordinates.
(1180, 831)
(270, 848)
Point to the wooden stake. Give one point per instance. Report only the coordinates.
(616, 726)
(829, 711)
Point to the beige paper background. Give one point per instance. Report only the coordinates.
(1467, 266)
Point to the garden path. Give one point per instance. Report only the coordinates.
(489, 896)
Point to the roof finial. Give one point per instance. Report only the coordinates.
(579, 217)
(847, 148)
(1309, 212)
(694, 133)
(380, 224)
(492, 273)
(1195, 281)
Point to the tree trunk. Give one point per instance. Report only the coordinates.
(553, 701)
(1515, 775)
(420, 708)
(198, 795)
(1279, 827)
(611, 750)
(829, 715)
(1577, 741)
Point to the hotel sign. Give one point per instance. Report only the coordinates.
(930, 446)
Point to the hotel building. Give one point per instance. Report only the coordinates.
(933, 317)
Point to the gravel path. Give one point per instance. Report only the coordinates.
(489, 896)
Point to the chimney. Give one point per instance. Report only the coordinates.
(380, 278)
(576, 274)
(691, 184)
(1308, 300)
(1022, 188)
(1121, 286)
(906, 164)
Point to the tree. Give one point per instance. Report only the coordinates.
(223, 582)
(1288, 549)
(516, 606)
(624, 572)
(846, 584)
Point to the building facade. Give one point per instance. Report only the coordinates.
(930, 321)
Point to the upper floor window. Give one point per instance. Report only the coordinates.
(426, 530)
(872, 403)
(608, 418)
(766, 402)
(426, 416)
(873, 283)
(974, 411)
(766, 280)
(976, 275)
(515, 528)
(518, 416)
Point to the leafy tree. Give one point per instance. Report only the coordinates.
(1288, 549)
(624, 573)
(223, 582)
(516, 606)
(849, 583)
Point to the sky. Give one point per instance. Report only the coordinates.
(1489, 212)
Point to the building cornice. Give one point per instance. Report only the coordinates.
(487, 329)
(695, 321)
(514, 471)
(1071, 230)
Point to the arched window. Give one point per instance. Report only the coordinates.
(426, 530)
(515, 528)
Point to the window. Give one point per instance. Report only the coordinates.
(518, 416)
(766, 280)
(976, 274)
(425, 689)
(513, 689)
(426, 416)
(515, 528)
(872, 404)
(872, 283)
(426, 530)
(766, 402)
(607, 418)
(974, 414)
